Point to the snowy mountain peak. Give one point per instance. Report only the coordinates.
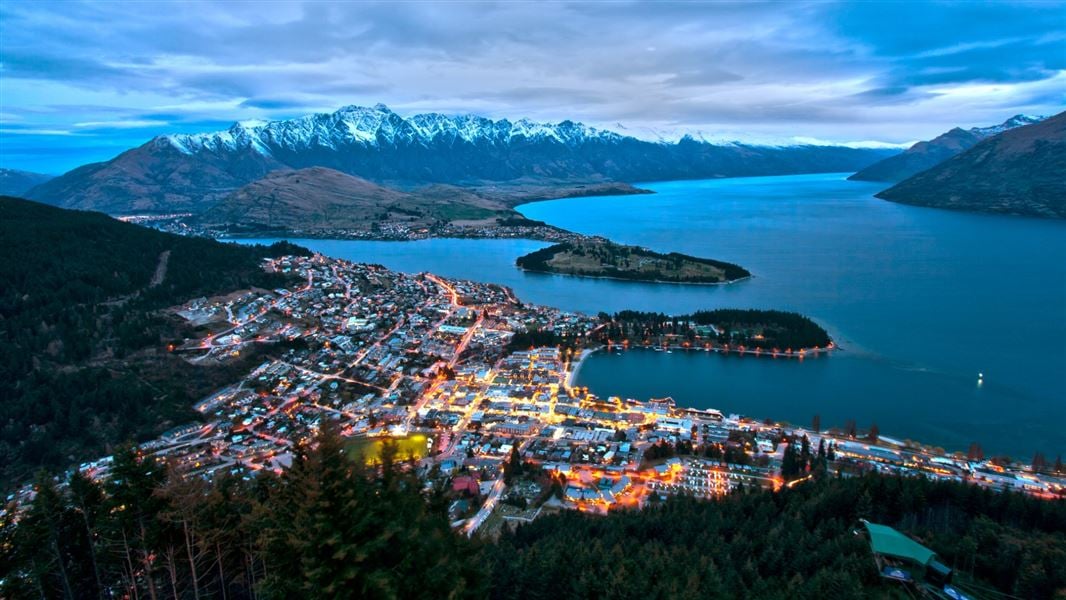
(376, 126)
(1011, 123)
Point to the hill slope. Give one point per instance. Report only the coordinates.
(317, 198)
(192, 172)
(154, 178)
(79, 330)
(1021, 172)
(15, 183)
(927, 154)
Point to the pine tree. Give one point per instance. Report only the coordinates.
(45, 538)
(790, 462)
(87, 500)
(864, 507)
(333, 528)
(514, 466)
(1039, 462)
(850, 428)
(134, 508)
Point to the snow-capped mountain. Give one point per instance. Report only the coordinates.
(191, 172)
(927, 154)
(1011, 123)
(378, 126)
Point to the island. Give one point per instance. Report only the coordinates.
(746, 331)
(599, 257)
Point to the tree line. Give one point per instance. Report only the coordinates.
(752, 328)
(330, 527)
(799, 542)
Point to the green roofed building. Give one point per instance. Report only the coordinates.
(895, 552)
(889, 542)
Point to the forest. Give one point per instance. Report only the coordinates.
(796, 543)
(764, 329)
(330, 527)
(81, 332)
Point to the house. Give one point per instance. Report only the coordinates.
(465, 484)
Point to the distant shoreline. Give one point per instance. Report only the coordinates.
(745, 278)
(799, 354)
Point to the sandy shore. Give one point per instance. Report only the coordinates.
(575, 366)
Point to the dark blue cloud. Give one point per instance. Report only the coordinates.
(272, 103)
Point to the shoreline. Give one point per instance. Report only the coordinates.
(575, 366)
(656, 281)
(337, 238)
(758, 352)
(297, 238)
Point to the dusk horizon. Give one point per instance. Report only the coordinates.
(665, 70)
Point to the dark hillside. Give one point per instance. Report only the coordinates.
(75, 309)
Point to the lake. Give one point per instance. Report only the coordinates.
(920, 300)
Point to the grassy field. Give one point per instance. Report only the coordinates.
(369, 449)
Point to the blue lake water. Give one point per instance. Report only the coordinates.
(921, 300)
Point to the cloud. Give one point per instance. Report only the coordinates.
(272, 103)
(121, 124)
(830, 71)
(34, 131)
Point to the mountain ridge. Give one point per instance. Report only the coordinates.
(1021, 171)
(14, 182)
(191, 172)
(928, 153)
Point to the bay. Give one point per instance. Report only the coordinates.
(921, 301)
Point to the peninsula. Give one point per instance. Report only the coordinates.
(745, 331)
(598, 257)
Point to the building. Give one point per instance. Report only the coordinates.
(902, 559)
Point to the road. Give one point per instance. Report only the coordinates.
(494, 495)
(160, 269)
(486, 509)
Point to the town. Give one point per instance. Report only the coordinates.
(393, 231)
(451, 379)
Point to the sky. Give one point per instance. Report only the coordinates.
(81, 82)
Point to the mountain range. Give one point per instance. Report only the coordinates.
(926, 154)
(16, 183)
(1020, 171)
(191, 173)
